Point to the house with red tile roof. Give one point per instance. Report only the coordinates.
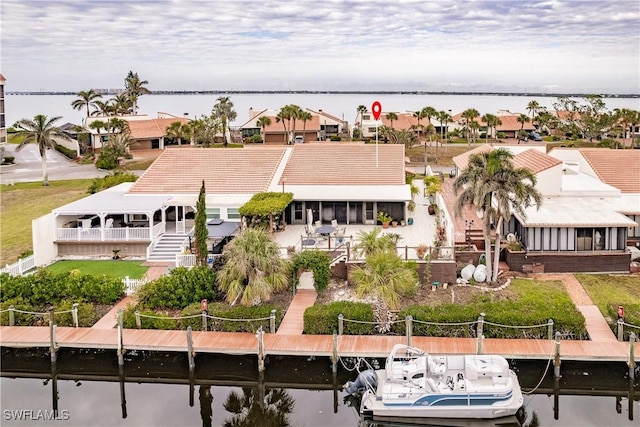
(589, 215)
(320, 128)
(404, 121)
(146, 133)
(345, 182)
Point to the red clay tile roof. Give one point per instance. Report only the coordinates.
(233, 170)
(312, 125)
(345, 164)
(403, 122)
(510, 123)
(535, 161)
(2, 79)
(152, 128)
(462, 160)
(618, 168)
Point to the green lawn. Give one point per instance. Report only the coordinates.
(23, 202)
(607, 291)
(114, 268)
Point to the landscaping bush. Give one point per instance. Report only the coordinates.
(323, 319)
(254, 139)
(8, 160)
(242, 312)
(195, 322)
(181, 288)
(71, 154)
(158, 320)
(20, 319)
(316, 261)
(99, 184)
(87, 314)
(45, 287)
(335, 138)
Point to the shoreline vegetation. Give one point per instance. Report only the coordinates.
(337, 92)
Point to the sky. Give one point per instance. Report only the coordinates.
(546, 46)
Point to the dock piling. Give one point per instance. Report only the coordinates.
(120, 345)
(12, 319)
(556, 359)
(52, 335)
(632, 361)
(204, 320)
(138, 322)
(409, 328)
(550, 329)
(620, 329)
(480, 332)
(260, 337)
(340, 324)
(74, 314)
(334, 354)
(272, 321)
(190, 352)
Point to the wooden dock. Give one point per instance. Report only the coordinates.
(289, 340)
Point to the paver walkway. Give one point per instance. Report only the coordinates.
(293, 322)
(597, 326)
(110, 320)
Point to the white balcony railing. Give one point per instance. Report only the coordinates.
(107, 234)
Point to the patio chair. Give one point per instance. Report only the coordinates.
(334, 223)
(318, 223)
(109, 223)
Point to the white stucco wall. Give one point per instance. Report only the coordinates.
(573, 157)
(550, 181)
(43, 229)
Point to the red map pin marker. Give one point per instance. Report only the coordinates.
(376, 109)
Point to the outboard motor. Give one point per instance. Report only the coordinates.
(366, 380)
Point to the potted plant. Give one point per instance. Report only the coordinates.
(384, 219)
(421, 250)
(411, 206)
(115, 253)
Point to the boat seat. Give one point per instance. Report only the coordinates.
(437, 365)
(431, 384)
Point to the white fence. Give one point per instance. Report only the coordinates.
(19, 268)
(131, 285)
(189, 260)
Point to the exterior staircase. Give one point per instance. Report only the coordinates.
(167, 247)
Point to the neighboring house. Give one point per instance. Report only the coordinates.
(321, 127)
(146, 133)
(3, 124)
(510, 126)
(348, 182)
(405, 121)
(588, 216)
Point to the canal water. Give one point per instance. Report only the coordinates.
(155, 389)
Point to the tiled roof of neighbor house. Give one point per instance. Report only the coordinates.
(233, 170)
(618, 168)
(403, 122)
(153, 128)
(2, 79)
(345, 164)
(324, 114)
(510, 123)
(312, 125)
(566, 115)
(462, 160)
(535, 161)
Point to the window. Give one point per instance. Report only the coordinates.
(213, 213)
(371, 130)
(232, 213)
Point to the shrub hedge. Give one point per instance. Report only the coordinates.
(323, 319)
(316, 261)
(180, 288)
(45, 287)
(99, 184)
(87, 314)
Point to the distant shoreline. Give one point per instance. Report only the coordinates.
(333, 92)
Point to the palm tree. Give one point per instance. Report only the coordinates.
(178, 131)
(469, 115)
(533, 107)
(419, 115)
(123, 104)
(134, 87)
(492, 122)
(305, 116)
(428, 113)
(284, 116)
(360, 111)
(223, 110)
(296, 112)
(492, 185)
(254, 269)
(42, 131)
(263, 122)
(372, 242)
(385, 276)
(85, 100)
(522, 119)
(391, 117)
(443, 117)
(103, 108)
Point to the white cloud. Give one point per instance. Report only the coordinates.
(587, 46)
